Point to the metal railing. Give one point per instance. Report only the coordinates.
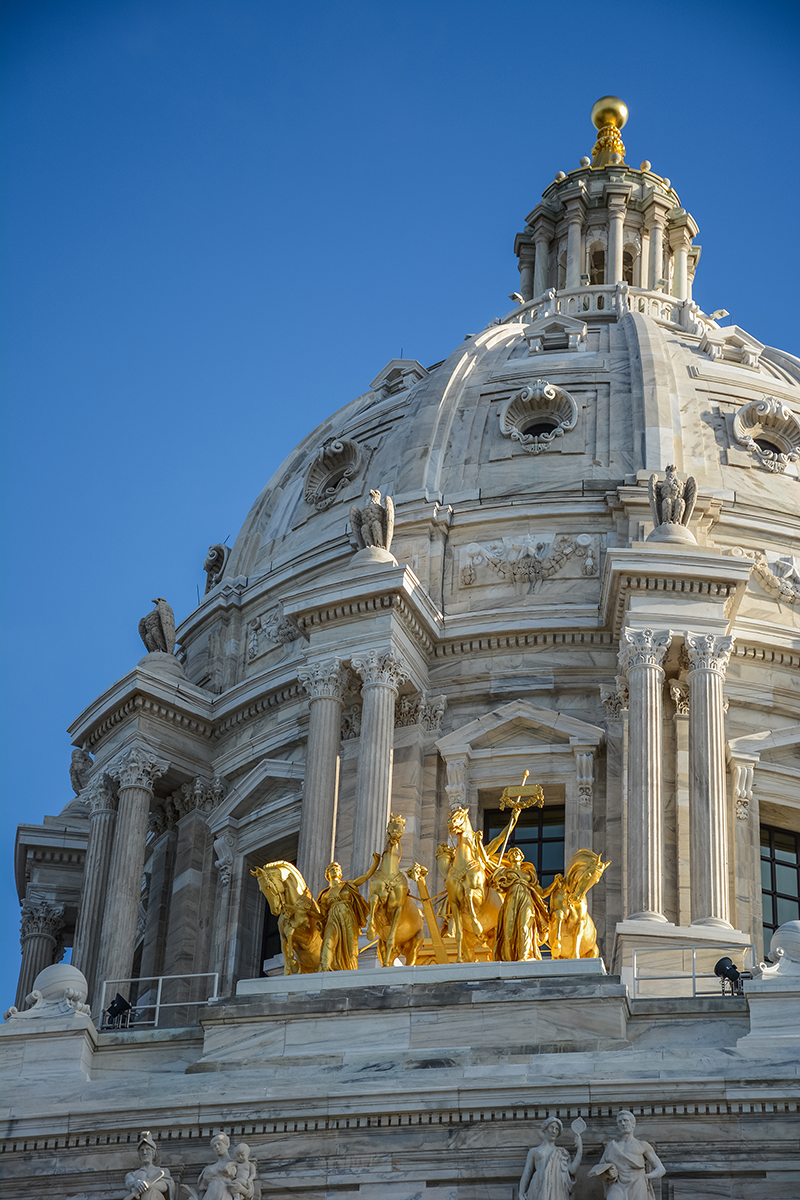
(141, 1003)
(681, 981)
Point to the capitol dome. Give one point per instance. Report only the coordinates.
(561, 566)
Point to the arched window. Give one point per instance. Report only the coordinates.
(627, 267)
(597, 263)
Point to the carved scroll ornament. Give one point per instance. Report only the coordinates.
(545, 410)
(335, 464)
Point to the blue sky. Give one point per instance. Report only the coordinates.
(220, 222)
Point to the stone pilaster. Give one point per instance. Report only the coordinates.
(102, 819)
(325, 683)
(381, 676)
(641, 656)
(137, 770)
(708, 656)
(579, 822)
(41, 924)
(681, 231)
(679, 694)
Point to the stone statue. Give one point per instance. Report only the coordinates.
(524, 921)
(623, 1167)
(549, 1174)
(373, 525)
(214, 564)
(216, 1181)
(245, 1185)
(672, 504)
(157, 629)
(572, 932)
(80, 768)
(149, 1181)
(344, 911)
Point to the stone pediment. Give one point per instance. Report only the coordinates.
(267, 780)
(555, 331)
(398, 375)
(519, 725)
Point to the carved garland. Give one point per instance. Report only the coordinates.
(770, 421)
(540, 404)
(335, 464)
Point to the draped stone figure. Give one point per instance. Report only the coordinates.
(623, 1167)
(345, 912)
(549, 1172)
(149, 1181)
(216, 1180)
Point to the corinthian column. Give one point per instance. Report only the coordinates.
(137, 770)
(40, 928)
(102, 818)
(640, 658)
(325, 683)
(708, 656)
(382, 676)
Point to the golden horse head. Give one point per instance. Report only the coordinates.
(273, 878)
(459, 822)
(394, 830)
(584, 870)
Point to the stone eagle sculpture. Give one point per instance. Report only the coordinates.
(373, 525)
(157, 629)
(672, 502)
(80, 768)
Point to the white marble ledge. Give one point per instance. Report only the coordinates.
(472, 973)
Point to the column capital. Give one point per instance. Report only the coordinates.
(376, 668)
(325, 680)
(41, 917)
(100, 795)
(708, 652)
(615, 699)
(643, 648)
(139, 766)
(679, 694)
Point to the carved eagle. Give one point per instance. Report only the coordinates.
(157, 629)
(373, 525)
(672, 502)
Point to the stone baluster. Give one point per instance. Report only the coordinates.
(325, 683)
(40, 929)
(102, 819)
(137, 770)
(640, 658)
(542, 243)
(708, 656)
(381, 676)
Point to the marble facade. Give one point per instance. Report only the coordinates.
(524, 619)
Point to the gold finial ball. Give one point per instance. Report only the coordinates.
(609, 110)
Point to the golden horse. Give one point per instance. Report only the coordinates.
(572, 931)
(473, 905)
(394, 918)
(299, 919)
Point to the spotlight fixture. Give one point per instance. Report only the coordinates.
(118, 1011)
(727, 973)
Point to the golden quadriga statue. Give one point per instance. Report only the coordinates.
(300, 922)
(572, 932)
(394, 918)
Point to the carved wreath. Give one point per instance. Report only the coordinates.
(769, 420)
(335, 464)
(539, 404)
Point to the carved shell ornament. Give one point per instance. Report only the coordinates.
(770, 431)
(335, 464)
(538, 415)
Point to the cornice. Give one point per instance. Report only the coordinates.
(485, 643)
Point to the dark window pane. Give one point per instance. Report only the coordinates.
(786, 879)
(546, 879)
(766, 875)
(788, 910)
(553, 856)
(767, 911)
(765, 836)
(785, 845)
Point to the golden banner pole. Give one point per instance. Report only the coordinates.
(418, 873)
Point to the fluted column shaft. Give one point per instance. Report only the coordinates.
(656, 250)
(40, 928)
(325, 683)
(641, 657)
(137, 772)
(382, 676)
(616, 217)
(526, 278)
(574, 256)
(102, 819)
(708, 834)
(542, 243)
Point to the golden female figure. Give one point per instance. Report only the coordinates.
(344, 911)
(523, 920)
